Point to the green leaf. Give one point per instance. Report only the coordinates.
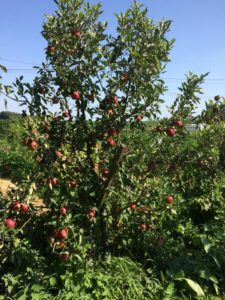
(52, 281)
(193, 285)
(206, 244)
(169, 292)
(36, 287)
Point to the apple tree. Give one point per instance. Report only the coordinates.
(99, 165)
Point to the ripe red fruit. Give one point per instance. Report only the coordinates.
(169, 199)
(75, 95)
(58, 153)
(91, 213)
(16, 205)
(66, 114)
(72, 183)
(77, 34)
(53, 181)
(133, 205)
(170, 132)
(51, 49)
(143, 226)
(34, 131)
(64, 256)
(24, 207)
(55, 233)
(55, 100)
(111, 142)
(63, 211)
(138, 118)
(125, 77)
(10, 223)
(179, 123)
(63, 233)
(105, 172)
(115, 100)
(112, 132)
(33, 145)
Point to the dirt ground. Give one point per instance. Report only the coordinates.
(6, 185)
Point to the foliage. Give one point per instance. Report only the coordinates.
(11, 134)
(5, 115)
(133, 209)
(16, 166)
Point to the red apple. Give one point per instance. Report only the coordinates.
(138, 118)
(63, 211)
(170, 132)
(143, 226)
(10, 223)
(105, 172)
(16, 205)
(55, 233)
(33, 145)
(77, 34)
(76, 95)
(72, 183)
(53, 181)
(133, 205)
(112, 132)
(169, 199)
(111, 142)
(51, 49)
(63, 233)
(115, 100)
(64, 256)
(179, 123)
(66, 114)
(55, 100)
(24, 207)
(58, 153)
(91, 213)
(125, 77)
(34, 131)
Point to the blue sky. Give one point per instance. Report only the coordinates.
(198, 27)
